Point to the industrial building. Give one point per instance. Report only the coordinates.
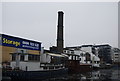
(15, 48)
(105, 52)
(85, 54)
(60, 37)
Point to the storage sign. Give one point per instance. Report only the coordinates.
(19, 42)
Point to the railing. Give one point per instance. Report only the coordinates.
(51, 66)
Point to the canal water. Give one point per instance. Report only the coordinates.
(96, 75)
(112, 74)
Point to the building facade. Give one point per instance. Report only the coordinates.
(85, 54)
(104, 52)
(116, 55)
(18, 49)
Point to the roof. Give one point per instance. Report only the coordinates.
(102, 45)
(86, 45)
(56, 55)
(72, 54)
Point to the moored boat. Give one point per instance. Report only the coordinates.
(35, 75)
(35, 70)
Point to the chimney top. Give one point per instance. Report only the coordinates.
(60, 11)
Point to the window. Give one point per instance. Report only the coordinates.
(13, 57)
(116, 54)
(22, 57)
(97, 62)
(68, 52)
(90, 61)
(116, 57)
(38, 58)
(33, 57)
(82, 54)
(29, 57)
(72, 52)
(64, 51)
(80, 59)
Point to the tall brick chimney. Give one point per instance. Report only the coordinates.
(60, 41)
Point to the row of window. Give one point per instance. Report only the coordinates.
(69, 52)
(30, 57)
(97, 62)
(34, 57)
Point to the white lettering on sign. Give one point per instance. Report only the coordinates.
(37, 45)
(32, 44)
(25, 42)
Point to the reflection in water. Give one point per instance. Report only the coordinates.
(97, 75)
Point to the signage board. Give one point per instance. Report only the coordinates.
(16, 42)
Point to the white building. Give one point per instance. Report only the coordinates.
(95, 60)
(85, 55)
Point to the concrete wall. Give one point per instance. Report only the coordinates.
(31, 66)
(44, 58)
(6, 53)
(77, 52)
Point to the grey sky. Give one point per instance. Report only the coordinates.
(84, 23)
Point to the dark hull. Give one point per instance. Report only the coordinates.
(80, 69)
(75, 67)
(34, 75)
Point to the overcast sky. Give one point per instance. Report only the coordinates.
(84, 22)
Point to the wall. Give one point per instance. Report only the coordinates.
(6, 53)
(7, 50)
(0, 54)
(44, 58)
(34, 52)
(87, 49)
(31, 66)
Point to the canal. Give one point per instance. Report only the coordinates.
(112, 74)
(96, 75)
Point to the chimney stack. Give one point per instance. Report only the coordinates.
(60, 41)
